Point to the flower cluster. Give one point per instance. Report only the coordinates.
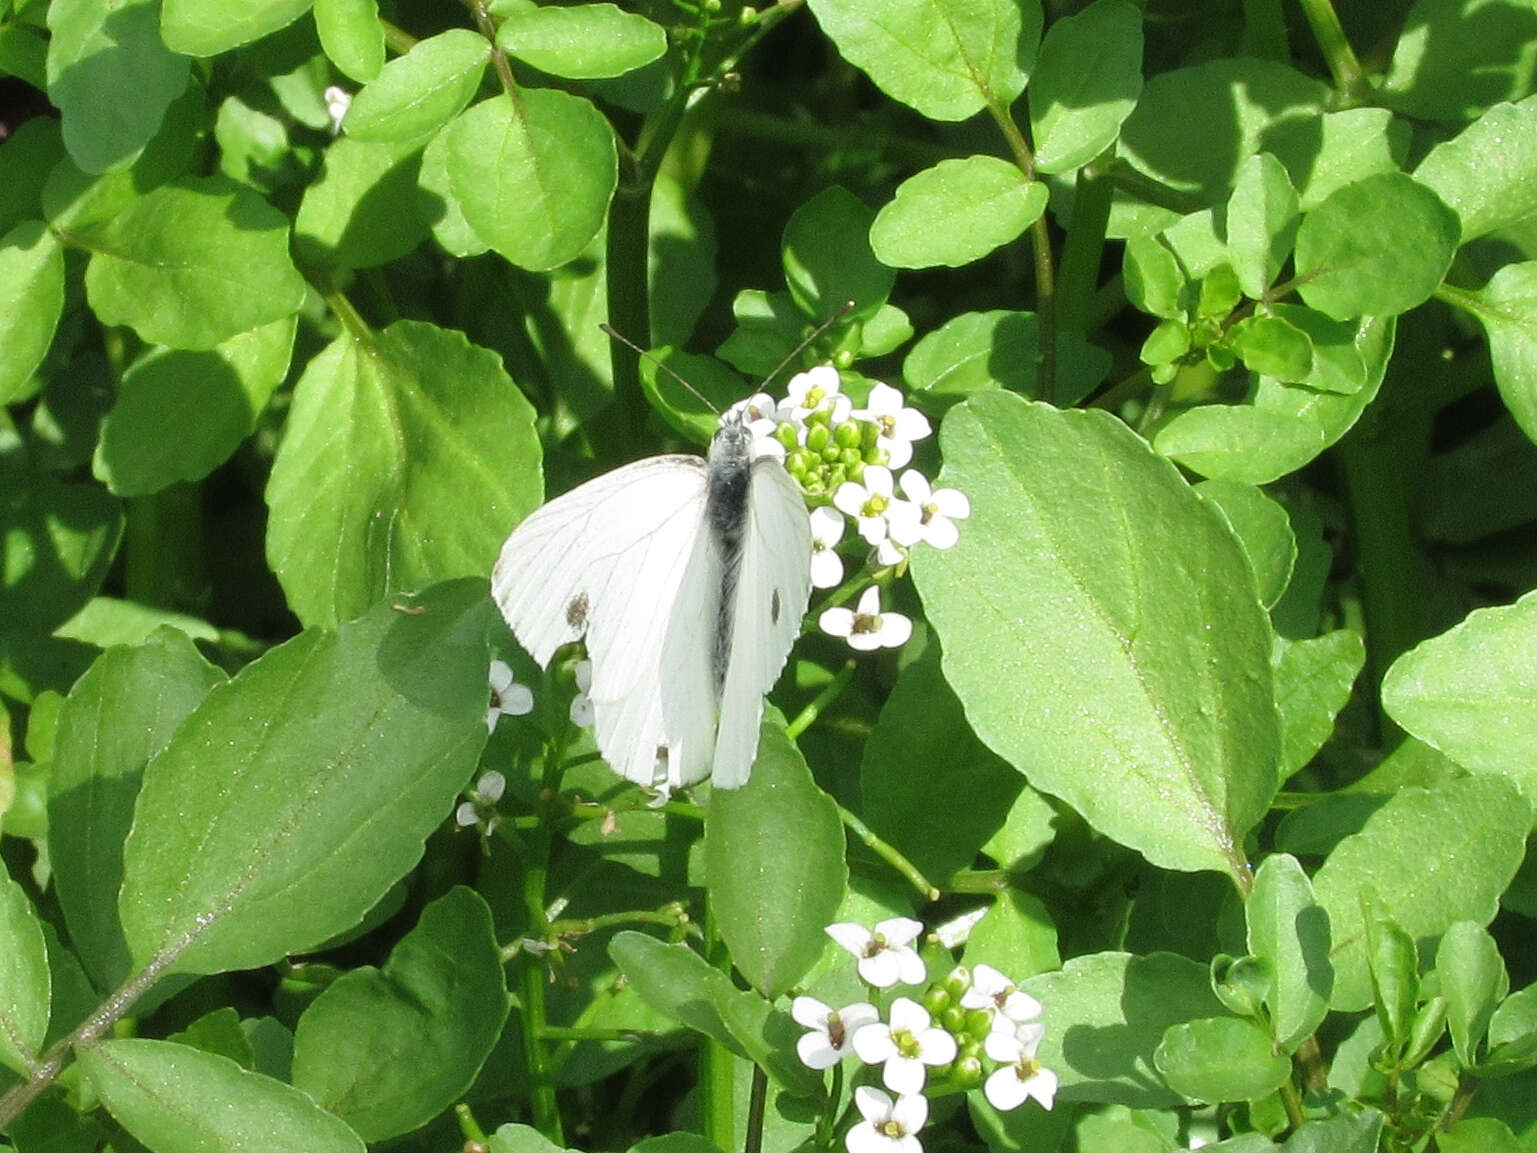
(843, 457)
(947, 1031)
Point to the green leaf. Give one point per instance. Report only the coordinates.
(1194, 127)
(1440, 72)
(946, 58)
(533, 179)
(1325, 153)
(1221, 1059)
(107, 621)
(413, 452)
(181, 414)
(937, 819)
(1169, 744)
(1262, 218)
(388, 1050)
(1288, 928)
(209, 27)
(1283, 428)
(521, 1139)
(1264, 530)
(1155, 283)
(32, 152)
(1015, 936)
(418, 93)
(25, 987)
(1377, 247)
(365, 209)
(974, 352)
(1431, 857)
(1394, 965)
(1478, 1135)
(956, 212)
(1474, 982)
(689, 391)
(31, 301)
(582, 42)
(1507, 308)
(110, 77)
(263, 829)
(1336, 364)
(1106, 1013)
(1313, 678)
(23, 53)
(352, 36)
(165, 1094)
(449, 227)
(58, 540)
(117, 717)
(192, 264)
(1272, 346)
(1478, 172)
(1086, 84)
(773, 856)
(1472, 692)
(1346, 1133)
(675, 1143)
(678, 983)
(827, 257)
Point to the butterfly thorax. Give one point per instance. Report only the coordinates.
(729, 478)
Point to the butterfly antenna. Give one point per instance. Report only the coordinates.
(614, 334)
(843, 310)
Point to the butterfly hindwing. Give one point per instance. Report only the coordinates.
(605, 561)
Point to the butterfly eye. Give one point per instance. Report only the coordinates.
(576, 612)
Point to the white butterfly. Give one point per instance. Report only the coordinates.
(689, 579)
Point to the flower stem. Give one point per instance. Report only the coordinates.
(830, 692)
(755, 1110)
(533, 977)
(1349, 77)
(1040, 243)
(890, 855)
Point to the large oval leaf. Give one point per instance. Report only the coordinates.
(1102, 628)
(534, 178)
(296, 794)
(773, 853)
(413, 453)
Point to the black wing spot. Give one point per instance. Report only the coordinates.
(576, 612)
(774, 608)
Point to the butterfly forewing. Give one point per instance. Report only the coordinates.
(772, 591)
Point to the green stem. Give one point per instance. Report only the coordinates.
(1291, 1101)
(1084, 246)
(163, 542)
(1380, 460)
(890, 855)
(1349, 76)
(1040, 245)
(546, 1109)
(717, 1088)
(755, 1111)
(830, 692)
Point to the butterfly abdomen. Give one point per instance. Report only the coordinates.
(727, 484)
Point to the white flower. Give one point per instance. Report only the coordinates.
(508, 698)
(990, 989)
(338, 100)
(935, 512)
(818, 389)
(1021, 1076)
(581, 704)
(826, 532)
(886, 955)
(905, 1046)
(867, 628)
(480, 807)
(871, 503)
(889, 554)
(899, 426)
(832, 1030)
(888, 1126)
